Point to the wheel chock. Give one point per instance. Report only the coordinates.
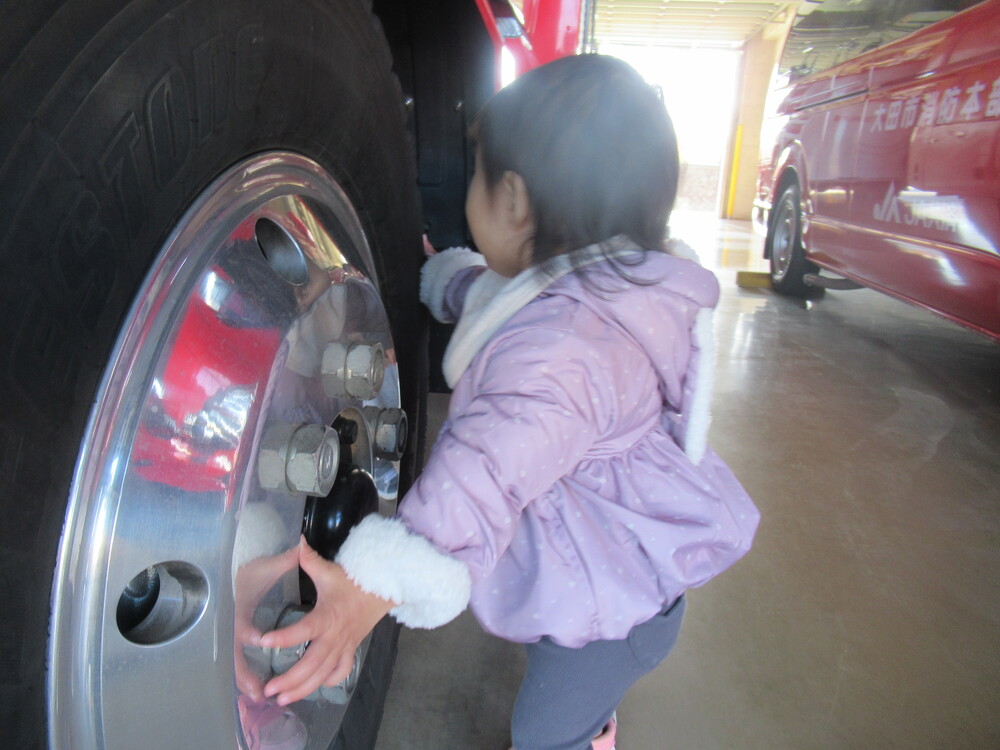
(753, 279)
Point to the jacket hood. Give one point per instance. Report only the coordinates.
(661, 300)
(655, 299)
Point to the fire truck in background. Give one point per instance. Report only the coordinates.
(210, 231)
(884, 162)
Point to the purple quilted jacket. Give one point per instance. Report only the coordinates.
(569, 493)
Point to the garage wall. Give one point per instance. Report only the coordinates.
(760, 55)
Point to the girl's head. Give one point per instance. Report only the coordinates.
(570, 154)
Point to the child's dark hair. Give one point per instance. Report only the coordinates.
(595, 147)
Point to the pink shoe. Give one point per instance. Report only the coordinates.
(606, 739)
(268, 726)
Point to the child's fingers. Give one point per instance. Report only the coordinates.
(247, 635)
(246, 681)
(314, 662)
(300, 632)
(305, 677)
(341, 672)
(314, 564)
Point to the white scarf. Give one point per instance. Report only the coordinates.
(493, 299)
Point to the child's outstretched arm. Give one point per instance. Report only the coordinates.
(518, 436)
(343, 616)
(445, 278)
(537, 410)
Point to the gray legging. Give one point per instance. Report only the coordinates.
(568, 694)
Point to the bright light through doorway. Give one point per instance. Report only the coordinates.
(699, 89)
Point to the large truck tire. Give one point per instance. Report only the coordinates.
(198, 198)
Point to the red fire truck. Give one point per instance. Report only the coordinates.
(883, 168)
(210, 231)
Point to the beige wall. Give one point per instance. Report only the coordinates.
(760, 55)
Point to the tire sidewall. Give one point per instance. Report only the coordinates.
(120, 114)
(791, 282)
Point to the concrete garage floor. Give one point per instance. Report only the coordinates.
(868, 613)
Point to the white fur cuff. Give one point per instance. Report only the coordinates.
(384, 558)
(438, 272)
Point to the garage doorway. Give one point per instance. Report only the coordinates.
(713, 60)
(699, 89)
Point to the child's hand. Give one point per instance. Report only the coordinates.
(252, 581)
(428, 247)
(343, 616)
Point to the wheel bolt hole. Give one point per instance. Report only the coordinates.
(348, 430)
(138, 599)
(282, 252)
(161, 603)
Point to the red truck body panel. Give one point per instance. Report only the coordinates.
(897, 152)
(549, 29)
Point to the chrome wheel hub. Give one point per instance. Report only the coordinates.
(216, 424)
(783, 243)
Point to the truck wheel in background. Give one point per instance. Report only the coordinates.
(199, 197)
(784, 248)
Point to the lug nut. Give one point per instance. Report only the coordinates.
(355, 370)
(273, 456)
(390, 433)
(313, 457)
(299, 459)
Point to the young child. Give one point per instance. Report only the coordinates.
(570, 498)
